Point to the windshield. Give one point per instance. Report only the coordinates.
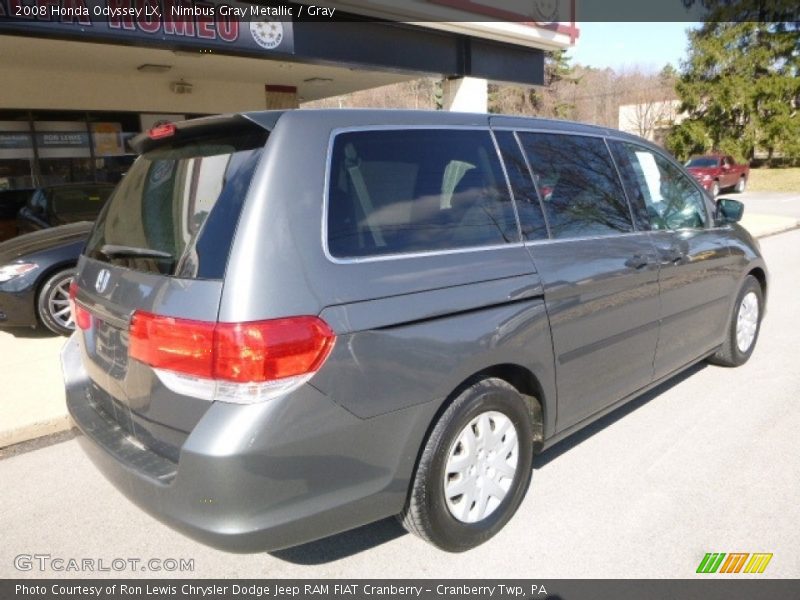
(176, 209)
(703, 162)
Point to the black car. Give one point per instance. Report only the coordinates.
(11, 201)
(36, 270)
(61, 204)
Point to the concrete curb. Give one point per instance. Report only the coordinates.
(32, 431)
(27, 432)
(780, 231)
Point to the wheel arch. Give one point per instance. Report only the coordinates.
(519, 377)
(47, 274)
(761, 276)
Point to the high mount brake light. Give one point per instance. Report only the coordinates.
(237, 362)
(161, 131)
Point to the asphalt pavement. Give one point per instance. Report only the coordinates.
(705, 463)
(785, 204)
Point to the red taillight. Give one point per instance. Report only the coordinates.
(161, 131)
(174, 344)
(252, 352)
(81, 316)
(268, 350)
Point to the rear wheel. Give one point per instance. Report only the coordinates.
(741, 185)
(53, 303)
(744, 326)
(474, 470)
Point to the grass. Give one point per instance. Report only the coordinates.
(774, 180)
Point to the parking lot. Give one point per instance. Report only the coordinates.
(705, 463)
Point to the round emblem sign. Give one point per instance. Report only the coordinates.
(267, 34)
(545, 10)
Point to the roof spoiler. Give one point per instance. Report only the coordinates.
(201, 127)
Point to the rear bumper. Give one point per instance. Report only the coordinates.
(259, 477)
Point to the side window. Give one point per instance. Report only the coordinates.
(581, 193)
(527, 201)
(400, 191)
(671, 200)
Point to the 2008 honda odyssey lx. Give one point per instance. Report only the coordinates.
(293, 323)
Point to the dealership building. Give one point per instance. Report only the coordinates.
(81, 77)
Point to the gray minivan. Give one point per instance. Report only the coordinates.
(293, 323)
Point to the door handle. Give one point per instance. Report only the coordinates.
(673, 257)
(639, 261)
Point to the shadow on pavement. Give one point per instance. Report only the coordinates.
(30, 333)
(343, 545)
(584, 434)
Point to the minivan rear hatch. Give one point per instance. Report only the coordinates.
(159, 249)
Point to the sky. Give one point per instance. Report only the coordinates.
(648, 46)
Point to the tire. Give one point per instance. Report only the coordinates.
(715, 189)
(741, 185)
(53, 299)
(488, 405)
(746, 320)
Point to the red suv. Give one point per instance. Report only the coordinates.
(716, 172)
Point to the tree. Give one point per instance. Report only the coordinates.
(548, 100)
(740, 84)
(556, 70)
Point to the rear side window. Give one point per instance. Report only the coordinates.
(581, 193)
(531, 218)
(176, 209)
(401, 191)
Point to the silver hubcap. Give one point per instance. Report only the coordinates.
(481, 466)
(58, 305)
(747, 322)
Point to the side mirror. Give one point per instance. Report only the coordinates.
(728, 211)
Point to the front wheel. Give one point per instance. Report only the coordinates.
(744, 326)
(474, 470)
(53, 303)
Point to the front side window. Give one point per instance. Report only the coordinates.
(671, 199)
(401, 191)
(580, 190)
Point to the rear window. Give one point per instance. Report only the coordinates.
(176, 209)
(402, 191)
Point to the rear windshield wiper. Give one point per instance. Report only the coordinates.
(115, 251)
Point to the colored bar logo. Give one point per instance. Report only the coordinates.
(734, 562)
